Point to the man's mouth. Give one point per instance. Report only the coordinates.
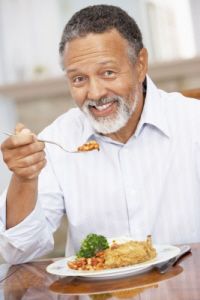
(104, 109)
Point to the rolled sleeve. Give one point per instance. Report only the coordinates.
(27, 240)
(3, 212)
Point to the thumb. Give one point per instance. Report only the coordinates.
(22, 129)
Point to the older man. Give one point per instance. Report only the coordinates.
(146, 177)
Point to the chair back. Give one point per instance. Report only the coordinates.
(194, 93)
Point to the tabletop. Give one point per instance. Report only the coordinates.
(32, 281)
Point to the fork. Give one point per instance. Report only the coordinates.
(164, 267)
(50, 142)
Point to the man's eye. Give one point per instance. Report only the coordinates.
(108, 73)
(78, 79)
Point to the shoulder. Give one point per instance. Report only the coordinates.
(178, 99)
(71, 123)
(182, 113)
(173, 103)
(74, 117)
(179, 105)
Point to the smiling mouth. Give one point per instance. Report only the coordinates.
(104, 106)
(104, 109)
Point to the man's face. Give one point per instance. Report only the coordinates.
(102, 80)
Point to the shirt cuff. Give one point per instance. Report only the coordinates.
(28, 230)
(3, 211)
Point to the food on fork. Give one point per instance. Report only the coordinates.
(94, 256)
(89, 146)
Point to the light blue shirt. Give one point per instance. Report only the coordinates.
(150, 185)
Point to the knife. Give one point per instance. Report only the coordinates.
(162, 268)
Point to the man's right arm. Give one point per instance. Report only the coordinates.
(25, 157)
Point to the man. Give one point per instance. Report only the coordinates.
(144, 180)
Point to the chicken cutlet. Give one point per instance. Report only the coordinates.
(130, 253)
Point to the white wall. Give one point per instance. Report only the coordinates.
(195, 8)
(30, 34)
(8, 120)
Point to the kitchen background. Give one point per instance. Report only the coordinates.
(34, 90)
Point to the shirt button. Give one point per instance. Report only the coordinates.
(125, 151)
(132, 192)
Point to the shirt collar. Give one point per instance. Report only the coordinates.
(153, 112)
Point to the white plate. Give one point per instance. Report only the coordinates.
(164, 252)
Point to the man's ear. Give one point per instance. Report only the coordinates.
(142, 64)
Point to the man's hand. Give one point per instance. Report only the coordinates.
(24, 156)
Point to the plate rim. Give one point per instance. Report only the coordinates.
(111, 272)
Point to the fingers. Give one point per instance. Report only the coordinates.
(19, 140)
(26, 150)
(28, 166)
(23, 136)
(21, 129)
(23, 154)
(31, 171)
(24, 161)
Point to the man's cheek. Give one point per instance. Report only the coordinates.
(79, 102)
(78, 98)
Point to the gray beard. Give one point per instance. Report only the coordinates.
(113, 122)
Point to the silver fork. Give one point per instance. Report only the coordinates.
(164, 267)
(50, 142)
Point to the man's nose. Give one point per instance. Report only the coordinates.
(96, 89)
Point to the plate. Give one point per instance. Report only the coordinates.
(164, 252)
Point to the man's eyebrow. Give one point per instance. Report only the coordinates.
(72, 70)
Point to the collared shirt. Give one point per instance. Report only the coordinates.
(150, 185)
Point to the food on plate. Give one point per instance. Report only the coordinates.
(91, 254)
(130, 253)
(89, 146)
(91, 245)
(89, 264)
(95, 253)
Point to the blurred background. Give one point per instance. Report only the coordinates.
(34, 90)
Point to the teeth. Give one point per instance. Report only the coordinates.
(102, 107)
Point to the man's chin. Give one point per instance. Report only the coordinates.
(107, 127)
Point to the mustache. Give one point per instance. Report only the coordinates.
(103, 100)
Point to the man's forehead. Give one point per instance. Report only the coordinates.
(108, 38)
(106, 44)
(103, 62)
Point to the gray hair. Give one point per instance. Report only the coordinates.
(100, 19)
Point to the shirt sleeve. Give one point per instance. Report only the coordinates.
(33, 237)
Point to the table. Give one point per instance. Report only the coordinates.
(31, 281)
